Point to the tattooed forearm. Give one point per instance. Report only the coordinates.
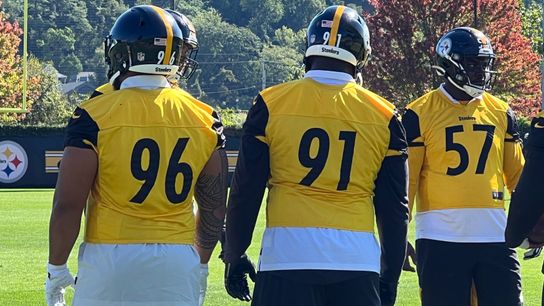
(211, 196)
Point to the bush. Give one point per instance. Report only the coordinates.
(233, 118)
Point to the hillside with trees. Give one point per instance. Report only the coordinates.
(246, 45)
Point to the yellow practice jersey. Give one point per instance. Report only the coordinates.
(107, 88)
(151, 146)
(102, 89)
(461, 155)
(327, 144)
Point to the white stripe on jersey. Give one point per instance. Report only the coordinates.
(462, 225)
(295, 248)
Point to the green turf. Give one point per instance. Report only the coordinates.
(24, 217)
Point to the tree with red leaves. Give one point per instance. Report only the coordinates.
(45, 102)
(405, 32)
(10, 83)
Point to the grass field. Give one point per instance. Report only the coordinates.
(24, 217)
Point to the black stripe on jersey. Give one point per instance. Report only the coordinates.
(397, 139)
(416, 144)
(512, 127)
(96, 93)
(248, 184)
(217, 126)
(410, 121)
(257, 118)
(391, 204)
(81, 128)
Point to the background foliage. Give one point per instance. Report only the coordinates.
(246, 45)
(406, 31)
(46, 103)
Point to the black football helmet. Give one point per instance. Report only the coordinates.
(144, 39)
(465, 57)
(188, 62)
(339, 32)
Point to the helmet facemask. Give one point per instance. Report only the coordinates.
(466, 59)
(473, 75)
(188, 62)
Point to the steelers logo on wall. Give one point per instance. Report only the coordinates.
(13, 162)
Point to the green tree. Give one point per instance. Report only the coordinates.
(101, 15)
(264, 15)
(60, 41)
(286, 37)
(194, 7)
(229, 73)
(282, 68)
(531, 21)
(59, 25)
(69, 28)
(283, 57)
(50, 106)
(298, 14)
(230, 11)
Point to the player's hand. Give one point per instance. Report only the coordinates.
(203, 283)
(529, 244)
(236, 278)
(58, 278)
(388, 293)
(410, 254)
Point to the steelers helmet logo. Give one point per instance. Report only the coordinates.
(13, 162)
(444, 47)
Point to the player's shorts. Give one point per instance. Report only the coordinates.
(446, 271)
(316, 288)
(137, 274)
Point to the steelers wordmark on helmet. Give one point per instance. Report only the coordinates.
(339, 32)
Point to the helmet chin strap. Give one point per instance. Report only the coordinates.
(114, 77)
(468, 89)
(472, 91)
(359, 78)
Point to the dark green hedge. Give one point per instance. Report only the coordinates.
(12, 130)
(7, 130)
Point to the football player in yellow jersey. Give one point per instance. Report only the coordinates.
(237, 286)
(526, 209)
(139, 154)
(333, 155)
(464, 149)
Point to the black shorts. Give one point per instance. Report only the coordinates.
(446, 271)
(316, 288)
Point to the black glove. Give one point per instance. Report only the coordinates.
(410, 253)
(236, 278)
(388, 293)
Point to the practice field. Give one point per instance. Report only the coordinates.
(24, 217)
